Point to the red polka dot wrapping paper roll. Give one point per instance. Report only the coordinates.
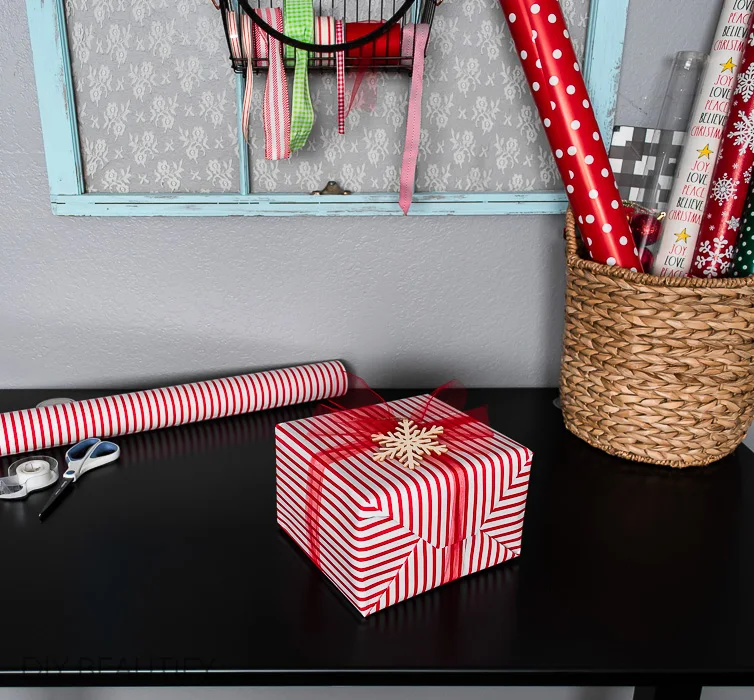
(731, 178)
(541, 37)
(36, 429)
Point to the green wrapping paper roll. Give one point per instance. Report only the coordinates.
(743, 258)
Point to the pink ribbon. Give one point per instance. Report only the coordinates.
(414, 40)
(275, 105)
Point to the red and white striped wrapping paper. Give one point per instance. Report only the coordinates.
(383, 532)
(40, 428)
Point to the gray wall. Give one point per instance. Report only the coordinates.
(407, 302)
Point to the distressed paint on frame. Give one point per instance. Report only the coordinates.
(604, 50)
(57, 109)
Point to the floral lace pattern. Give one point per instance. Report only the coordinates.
(155, 96)
(156, 106)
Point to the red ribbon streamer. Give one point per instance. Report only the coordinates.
(731, 177)
(371, 53)
(363, 413)
(543, 44)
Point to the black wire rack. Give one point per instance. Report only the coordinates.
(382, 48)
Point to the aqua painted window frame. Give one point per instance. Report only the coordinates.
(52, 69)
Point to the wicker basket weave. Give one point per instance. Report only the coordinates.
(656, 369)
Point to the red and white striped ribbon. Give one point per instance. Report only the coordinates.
(275, 105)
(414, 40)
(235, 39)
(41, 428)
(247, 29)
(324, 33)
(330, 31)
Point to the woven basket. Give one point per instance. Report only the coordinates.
(656, 369)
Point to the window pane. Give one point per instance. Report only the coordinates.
(155, 96)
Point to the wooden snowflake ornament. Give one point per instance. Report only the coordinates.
(408, 444)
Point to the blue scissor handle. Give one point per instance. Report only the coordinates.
(79, 450)
(89, 454)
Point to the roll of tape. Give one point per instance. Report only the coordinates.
(31, 469)
(54, 402)
(28, 475)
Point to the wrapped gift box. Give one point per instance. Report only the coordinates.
(382, 532)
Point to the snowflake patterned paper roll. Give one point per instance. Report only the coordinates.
(549, 61)
(690, 189)
(730, 179)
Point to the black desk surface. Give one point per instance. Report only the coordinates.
(171, 560)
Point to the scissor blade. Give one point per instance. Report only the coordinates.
(55, 499)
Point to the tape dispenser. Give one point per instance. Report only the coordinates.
(28, 475)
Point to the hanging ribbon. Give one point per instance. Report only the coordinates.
(340, 72)
(324, 33)
(236, 52)
(328, 30)
(299, 24)
(247, 29)
(372, 53)
(275, 105)
(346, 431)
(414, 39)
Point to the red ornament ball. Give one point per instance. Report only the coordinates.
(646, 229)
(646, 259)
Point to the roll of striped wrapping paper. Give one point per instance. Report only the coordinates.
(41, 428)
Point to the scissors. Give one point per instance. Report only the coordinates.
(80, 459)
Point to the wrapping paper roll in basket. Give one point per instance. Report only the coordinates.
(656, 369)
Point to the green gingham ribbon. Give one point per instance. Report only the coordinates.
(743, 258)
(299, 24)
